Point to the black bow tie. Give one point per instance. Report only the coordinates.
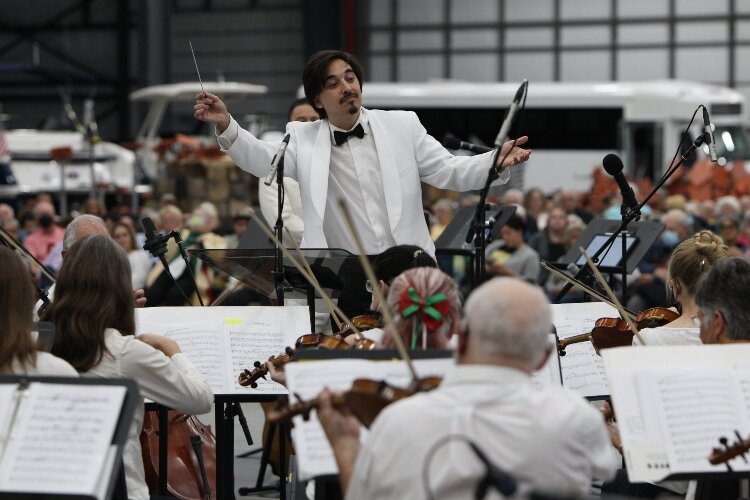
(342, 137)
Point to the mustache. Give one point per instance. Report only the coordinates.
(347, 96)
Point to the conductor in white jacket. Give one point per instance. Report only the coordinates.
(372, 159)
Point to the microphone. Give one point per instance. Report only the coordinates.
(156, 243)
(501, 480)
(510, 116)
(709, 134)
(613, 165)
(278, 157)
(454, 143)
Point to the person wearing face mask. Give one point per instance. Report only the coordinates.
(47, 234)
(649, 287)
(199, 233)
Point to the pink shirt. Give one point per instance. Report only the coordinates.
(39, 243)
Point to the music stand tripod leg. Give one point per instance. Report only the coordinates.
(265, 452)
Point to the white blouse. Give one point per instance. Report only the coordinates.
(665, 335)
(173, 382)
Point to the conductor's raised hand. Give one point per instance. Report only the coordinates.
(209, 108)
(515, 154)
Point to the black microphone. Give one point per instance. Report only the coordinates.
(501, 480)
(276, 160)
(510, 116)
(156, 243)
(613, 165)
(454, 143)
(709, 135)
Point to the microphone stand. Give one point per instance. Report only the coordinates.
(278, 229)
(479, 224)
(628, 217)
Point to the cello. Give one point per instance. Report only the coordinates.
(191, 456)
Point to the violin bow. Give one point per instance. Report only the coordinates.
(326, 299)
(612, 296)
(582, 286)
(310, 279)
(386, 311)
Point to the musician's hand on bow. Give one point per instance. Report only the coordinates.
(516, 154)
(209, 108)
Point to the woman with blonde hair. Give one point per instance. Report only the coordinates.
(426, 305)
(18, 352)
(690, 259)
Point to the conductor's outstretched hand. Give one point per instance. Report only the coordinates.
(209, 108)
(516, 154)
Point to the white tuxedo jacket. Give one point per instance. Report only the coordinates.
(406, 153)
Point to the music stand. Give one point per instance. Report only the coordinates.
(645, 233)
(116, 487)
(453, 239)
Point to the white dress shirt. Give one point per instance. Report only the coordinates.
(547, 438)
(665, 335)
(170, 381)
(355, 177)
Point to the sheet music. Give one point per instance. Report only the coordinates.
(7, 405)
(61, 439)
(258, 338)
(673, 403)
(202, 344)
(307, 379)
(222, 341)
(695, 408)
(549, 374)
(582, 368)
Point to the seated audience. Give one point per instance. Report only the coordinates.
(489, 399)
(94, 318)
(140, 260)
(514, 258)
(18, 352)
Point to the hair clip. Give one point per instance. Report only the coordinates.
(417, 253)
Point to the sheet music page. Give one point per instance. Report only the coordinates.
(549, 374)
(632, 373)
(203, 343)
(263, 332)
(61, 438)
(7, 407)
(582, 369)
(307, 379)
(695, 408)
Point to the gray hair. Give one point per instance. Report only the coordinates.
(509, 317)
(725, 287)
(75, 226)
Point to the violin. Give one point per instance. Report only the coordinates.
(249, 378)
(365, 399)
(614, 332)
(723, 456)
(191, 466)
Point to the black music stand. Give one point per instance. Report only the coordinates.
(646, 234)
(116, 487)
(335, 271)
(453, 239)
